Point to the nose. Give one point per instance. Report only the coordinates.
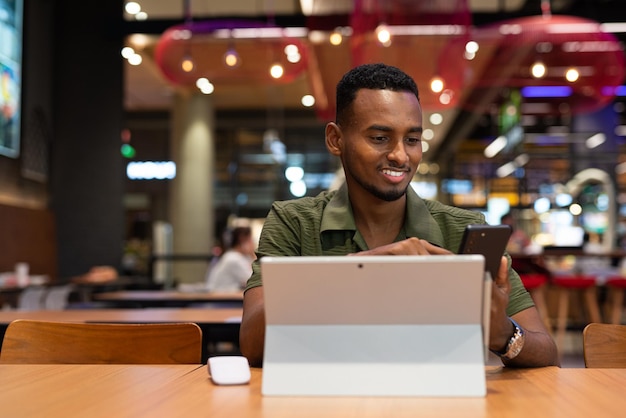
(398, 153)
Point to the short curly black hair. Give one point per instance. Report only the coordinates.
(376, 76)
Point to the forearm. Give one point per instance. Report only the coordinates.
(252, 331)
(539, 350)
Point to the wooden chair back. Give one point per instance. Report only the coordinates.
(604, 345)
(43, 342)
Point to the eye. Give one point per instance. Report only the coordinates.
(413, 140)
(379, 138)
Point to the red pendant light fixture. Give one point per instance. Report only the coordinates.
(229, 52)
(426, 39)
(569, 55)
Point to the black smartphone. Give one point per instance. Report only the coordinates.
(488, 240)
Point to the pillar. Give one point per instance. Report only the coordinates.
(191, 192)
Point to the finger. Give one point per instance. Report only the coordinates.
(434, 249)
(502, 280)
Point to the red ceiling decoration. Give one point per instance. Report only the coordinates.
(428, 40)
(424, 56)
(206, 43)
(560, 43)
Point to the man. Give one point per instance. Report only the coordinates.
(377, 136)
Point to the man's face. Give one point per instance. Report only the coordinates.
(381, 146)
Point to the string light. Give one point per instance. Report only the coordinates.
(205, 86)
(293, 53)
(336, 38)
(572, 75)
(231, 57)
(538, 70)
(277, 71)
(187, 64)
(471, 48)
(383, 35)
(436, 84)
(308, 100)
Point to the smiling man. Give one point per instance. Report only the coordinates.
(377, 137)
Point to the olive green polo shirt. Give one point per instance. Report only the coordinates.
(324, 225)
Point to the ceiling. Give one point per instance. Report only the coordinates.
(148, 89)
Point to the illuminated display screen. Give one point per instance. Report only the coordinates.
(151, 170)
(10, 76)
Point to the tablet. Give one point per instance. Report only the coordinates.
(374, 325)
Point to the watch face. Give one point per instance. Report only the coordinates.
(516, 343)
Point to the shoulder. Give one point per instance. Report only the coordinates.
(453, 214)
(304, 203)
(232, 256)
(452, 221)
(309, 207)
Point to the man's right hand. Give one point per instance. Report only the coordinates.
(409, 246)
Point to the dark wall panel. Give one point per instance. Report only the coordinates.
(86, 165)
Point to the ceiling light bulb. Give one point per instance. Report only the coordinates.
(572, 75)
(127, 52)
(291, 49)
(187, 64)
(335, 38)
(383, 35)
(231, 58)
(446, 97)
(436, 85)
(436, 118)
(308, 100)
(135, 59)
(538, 70)
(132, 7)
(471, 47)
(277, 71)
(294, 58)
(202, 82)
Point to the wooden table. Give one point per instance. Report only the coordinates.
(217, 324)
(155, 298)
(85, 390)
(187, 391)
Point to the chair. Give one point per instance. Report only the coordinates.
(604, 345)
(615, 286)
(43, 342)
(31, 298)
(57, 297)
(567, 285)
(535, 283)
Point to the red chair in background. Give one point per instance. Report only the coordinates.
(615, 286)
(575, 284)
(536, 283)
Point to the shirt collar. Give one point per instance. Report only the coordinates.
(419, 223)
(337, 214)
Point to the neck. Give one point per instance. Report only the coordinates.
(380, 222)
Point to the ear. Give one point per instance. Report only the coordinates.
(334, 142)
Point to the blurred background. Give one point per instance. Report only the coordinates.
(150, 127)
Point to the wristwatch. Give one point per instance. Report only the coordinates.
(515, 344)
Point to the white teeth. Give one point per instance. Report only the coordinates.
(393, 173)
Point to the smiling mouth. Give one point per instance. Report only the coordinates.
(394, 173)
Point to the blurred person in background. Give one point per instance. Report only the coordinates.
(234, 266)
(519, 241)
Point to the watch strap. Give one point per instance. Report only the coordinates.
(515, 344)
